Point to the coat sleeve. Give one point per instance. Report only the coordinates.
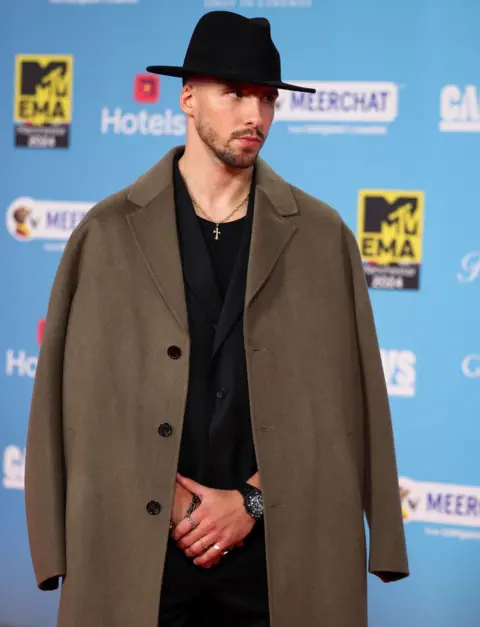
(44, 461)
(387, 550)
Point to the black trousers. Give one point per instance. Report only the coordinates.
(233, 593)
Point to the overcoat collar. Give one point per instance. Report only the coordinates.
(153, 225)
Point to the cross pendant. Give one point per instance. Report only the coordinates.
(217, 232)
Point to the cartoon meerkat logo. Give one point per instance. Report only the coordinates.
(404, 492)
(409, 503)
(22, 225)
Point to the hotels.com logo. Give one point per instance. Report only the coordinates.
(19, 363)
(146, 88)
(40, 328)
(146, 120)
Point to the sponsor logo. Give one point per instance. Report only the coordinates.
(19, 363)
(260, 4)
(471, 366)
(143, 122)
(399, 368)
(40, 329)
(43, 100)
(365, 108)
(146, 88)
(390, 232)
(470, 267)
(28, 219)
(14, 468)
(94, 1)
(459, 109)
(442, 503)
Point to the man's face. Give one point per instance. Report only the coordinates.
(233, 119)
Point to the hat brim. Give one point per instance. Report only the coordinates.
(181, 72)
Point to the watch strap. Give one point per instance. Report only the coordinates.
(245, 488)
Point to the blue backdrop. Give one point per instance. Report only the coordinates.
(391, 140)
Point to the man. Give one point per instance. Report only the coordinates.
(209, 421)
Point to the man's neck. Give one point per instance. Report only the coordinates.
(217, 188)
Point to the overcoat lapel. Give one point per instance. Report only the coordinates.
(271, 233)
(154, 227)
(266, 237)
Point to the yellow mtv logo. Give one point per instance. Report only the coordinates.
(390, 226)
(43, 93)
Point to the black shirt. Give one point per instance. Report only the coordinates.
(217, 447)
(223, 250)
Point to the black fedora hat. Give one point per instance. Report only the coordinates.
(231, 47)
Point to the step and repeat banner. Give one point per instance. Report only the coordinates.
(391, 139)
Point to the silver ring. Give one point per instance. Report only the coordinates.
(225, 552)
(194, 526)
(215, 546)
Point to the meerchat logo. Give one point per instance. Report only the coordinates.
(459, 109)
(443, 503)
(390, 231)
(28, 219)
(43, 100)
(339, 107)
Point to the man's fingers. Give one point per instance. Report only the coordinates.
(201, 545)
(208, 556)
(191, 485)
(204, 529)
(184, 527)
(212, 563)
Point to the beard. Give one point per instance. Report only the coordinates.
(241, 157)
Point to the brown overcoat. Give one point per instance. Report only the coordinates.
(105, 381)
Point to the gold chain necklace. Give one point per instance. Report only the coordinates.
(217, 224)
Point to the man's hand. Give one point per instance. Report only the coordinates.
(181, 500)
(220, 519)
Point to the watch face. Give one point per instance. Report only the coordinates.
(255, 504)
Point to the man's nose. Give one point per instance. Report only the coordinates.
(253, 112)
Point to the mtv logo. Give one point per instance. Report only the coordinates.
(43, 89)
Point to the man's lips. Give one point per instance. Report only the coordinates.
(250, 139)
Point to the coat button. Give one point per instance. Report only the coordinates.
(174, 352)
(165, 430)
(153, 508)
(221, 393)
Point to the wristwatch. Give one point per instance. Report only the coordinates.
(252, 500)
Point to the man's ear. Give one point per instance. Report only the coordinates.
(187, 99)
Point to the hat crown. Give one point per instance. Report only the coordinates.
(234, 48)
(231, 42)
